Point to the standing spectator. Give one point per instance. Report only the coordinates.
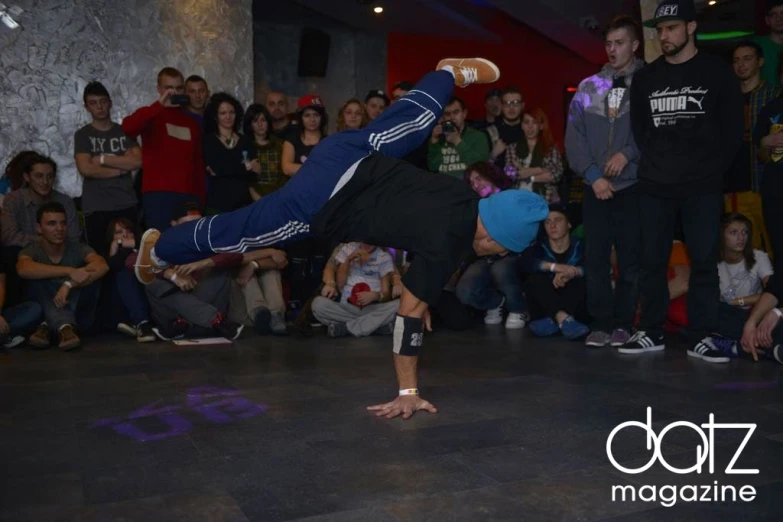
(130, 292)
(198, 94)
(772, 44)
(686, 112)
(375, 102)
(15, 321)
(742, 182)
(508, 129)
(352, 115)
(310, 128)
(768, 139)
(535, 157)
(172, 160)
(266, 163)
(277, 105)
(601, 149)
(61, 275)
(493, 107)
(453, 145)
(555, 287)
(105, 156)
(227, 155)
(364, 280)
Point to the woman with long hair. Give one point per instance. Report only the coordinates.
(311, 122)
(227, 155)
(536, 158)
(266, 162)
(122, 240)
(486, 178)
(352, 115)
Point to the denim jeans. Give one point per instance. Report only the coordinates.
(22, 318)
(488, 280)
(78, 312)
(610, 222)
(132, 296)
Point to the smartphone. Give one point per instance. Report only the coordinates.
(179, 99)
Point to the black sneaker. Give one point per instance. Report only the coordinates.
(226, 328)
(144, 333)
(177, 329)
(640, 342)
(707, 351)
(337, 330)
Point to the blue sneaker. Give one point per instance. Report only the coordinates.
(545, 327)
(573, 329)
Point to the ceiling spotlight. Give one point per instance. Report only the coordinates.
(712, 2)
(7, 15)
(377, 9)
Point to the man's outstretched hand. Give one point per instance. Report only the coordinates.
(405, 405)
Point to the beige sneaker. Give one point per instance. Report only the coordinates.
(471, 70)
(40, 339)
(145, 268)
(68, 338)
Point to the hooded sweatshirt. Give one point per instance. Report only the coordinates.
(599, 126)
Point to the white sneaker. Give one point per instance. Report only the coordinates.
(515, 320)
(495, 316)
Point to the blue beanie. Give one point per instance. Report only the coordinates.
(512, 217)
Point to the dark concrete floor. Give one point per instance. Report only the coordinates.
(276, 429)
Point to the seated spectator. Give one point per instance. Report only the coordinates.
(493, 283)
(257, 297)
(555, 288)
(538, 163)
(266, 164)
(374, 103)
(61, 277)
(13, 177)
(364, 280)
(16, 321)
(130, 292)
(761, 335)
(744, 273)
(453, 145)
(193, 299)
(227, 155)
(352, 115)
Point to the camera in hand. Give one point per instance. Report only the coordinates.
(449, 127)
(179, 99)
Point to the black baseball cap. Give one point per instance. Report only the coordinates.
(377, 93)
(493, 93)
(188, 208)
(772, 4)
(673, 10)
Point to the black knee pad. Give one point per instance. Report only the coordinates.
(408, 335)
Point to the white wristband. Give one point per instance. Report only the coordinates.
(409, 391)
(103, 157)
(70, 285)
(778, 312)
(173, 277)
(255, 265)
(552, 267)
(532, 179)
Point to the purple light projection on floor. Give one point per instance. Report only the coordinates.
(748, 385)
(230, 406)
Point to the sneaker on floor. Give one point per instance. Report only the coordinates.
(226, 328)
(13, 342)
(707, 351)
(729, 347)
(177, 329)
(619, 337)
(145, 268)
(68, 340)
(277, 323)
(545, 327)
(597, 339)
(126, 329)
(494, 316)
(41, 339)
(261, 321)
(640, 342)
(515, 321)
(573, 329)
(337, 330)
(471, 70)
(777, 353)
(144, 333)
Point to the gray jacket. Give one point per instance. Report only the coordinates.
(599, 126)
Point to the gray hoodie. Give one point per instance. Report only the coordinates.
(599, 126)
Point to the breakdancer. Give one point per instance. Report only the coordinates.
(353, 187)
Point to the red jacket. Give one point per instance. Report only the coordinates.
(171, 150)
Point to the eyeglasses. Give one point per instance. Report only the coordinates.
(512, 103)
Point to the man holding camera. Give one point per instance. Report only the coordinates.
(454, 146)
(172, 161)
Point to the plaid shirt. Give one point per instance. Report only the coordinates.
(271, 176)
(759, 97)
(553, 162)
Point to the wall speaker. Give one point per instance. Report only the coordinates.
(313, 52)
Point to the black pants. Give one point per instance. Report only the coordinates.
(14, 285)
(96, 225)
(610, 222)
(772, 209)
(544, 300)
(701, 228)
(306, 261)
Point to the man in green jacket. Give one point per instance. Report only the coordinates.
(454, 146)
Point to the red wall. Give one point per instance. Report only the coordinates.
(538, 66)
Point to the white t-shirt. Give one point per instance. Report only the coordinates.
(379, 264)
(736, 281)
